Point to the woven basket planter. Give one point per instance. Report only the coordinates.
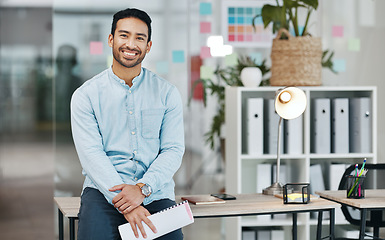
(296, 61)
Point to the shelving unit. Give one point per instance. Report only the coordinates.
(241, 168)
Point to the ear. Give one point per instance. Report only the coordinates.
(110, 40)
(149, 45)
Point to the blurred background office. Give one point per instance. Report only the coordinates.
(50, 47)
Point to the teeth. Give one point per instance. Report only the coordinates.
(129, 54)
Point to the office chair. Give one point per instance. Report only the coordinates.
(352, 215)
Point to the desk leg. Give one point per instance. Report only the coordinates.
(319, 225)
(332, 223)
(363, 223)
(294, 226)
(72, 228)
(61, 232)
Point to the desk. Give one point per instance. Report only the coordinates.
(244, 205)
(374, 200)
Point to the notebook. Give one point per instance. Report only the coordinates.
(202, 199)
(165, 221)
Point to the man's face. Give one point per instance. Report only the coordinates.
(129, 44)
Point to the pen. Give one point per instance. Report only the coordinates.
(362, 168)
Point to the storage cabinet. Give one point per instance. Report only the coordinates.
(247, 173)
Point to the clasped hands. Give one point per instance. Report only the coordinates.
(128, 203)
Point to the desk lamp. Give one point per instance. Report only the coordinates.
(290, 103)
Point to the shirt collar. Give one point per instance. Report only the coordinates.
(135, 82)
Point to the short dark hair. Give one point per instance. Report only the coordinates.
(135, 13)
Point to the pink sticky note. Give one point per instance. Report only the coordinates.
(338, 31)
(96, 48)
(205, 27)
(205, 52)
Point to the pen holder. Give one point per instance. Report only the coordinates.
(355, 187)
(296, 193)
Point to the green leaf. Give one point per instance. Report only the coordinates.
(311, 3)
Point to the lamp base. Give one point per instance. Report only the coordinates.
(275, 188)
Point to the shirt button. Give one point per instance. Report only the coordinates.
(135, 152)
(122, 81)
(133, 133)
(130, 112)
(137, 162)
(136, 179)
(129, 91)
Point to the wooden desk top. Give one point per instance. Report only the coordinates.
(245, 204)
(374, 198)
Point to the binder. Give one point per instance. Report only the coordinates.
(340, 125)
(165, 221)
(255, 126)
(293, 136)
(321, 131)
(271, 127)
(360, 125)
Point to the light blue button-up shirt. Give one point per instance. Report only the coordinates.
(128, 134)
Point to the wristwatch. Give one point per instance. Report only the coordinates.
(146, 190)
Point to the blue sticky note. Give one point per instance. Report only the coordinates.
(256, 57)
(339, 65)
(205, 8)
(162, 67)
(178, 56)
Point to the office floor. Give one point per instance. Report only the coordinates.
(26, 190)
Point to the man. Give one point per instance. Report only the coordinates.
(127, 125)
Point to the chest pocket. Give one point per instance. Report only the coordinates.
(151, 122)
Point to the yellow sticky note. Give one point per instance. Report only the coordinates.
(354, 44)
(231, 60)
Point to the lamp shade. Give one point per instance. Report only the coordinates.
(290, 102)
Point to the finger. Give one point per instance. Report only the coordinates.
(129, 209)
(117, 198)
(141, 228)
(116, 188)
(150, 224)
(123, 207)
(134, 229)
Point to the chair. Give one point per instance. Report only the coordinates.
(372, 181)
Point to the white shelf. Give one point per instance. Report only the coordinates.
(241, 168)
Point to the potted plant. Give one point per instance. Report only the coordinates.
(298, 59)
(229, 76)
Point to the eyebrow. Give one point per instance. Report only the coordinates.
(139, 34)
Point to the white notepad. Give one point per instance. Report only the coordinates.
(165, 221)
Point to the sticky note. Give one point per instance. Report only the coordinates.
(337, 31)
(339, 65)
(231, 60)
(96, 48)
(354, 44)
(178, 56)
(205, 27)
(206, 72)
(205, 52)
(162, 67)
(205, 8)
(256, 57)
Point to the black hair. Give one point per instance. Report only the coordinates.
(135, 13)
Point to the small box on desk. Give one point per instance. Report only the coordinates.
(296, 193)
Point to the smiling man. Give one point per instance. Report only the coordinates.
(127, 126)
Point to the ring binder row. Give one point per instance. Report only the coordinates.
(338, 125)
(260, 131)
(341, 125)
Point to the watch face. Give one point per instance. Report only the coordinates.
(146, 190)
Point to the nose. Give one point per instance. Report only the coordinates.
(130, 43)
